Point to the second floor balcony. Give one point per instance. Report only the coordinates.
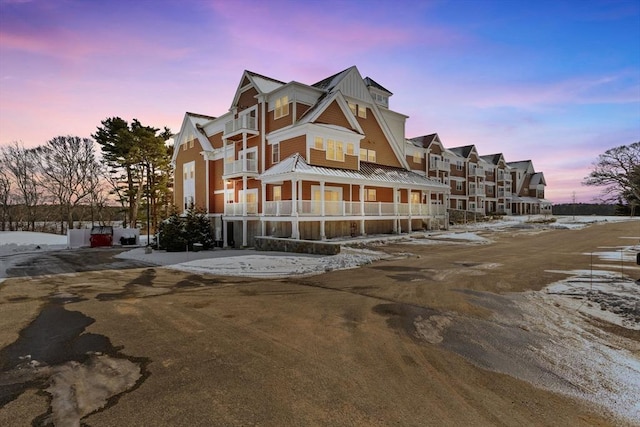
(240, 166)
(242, 124)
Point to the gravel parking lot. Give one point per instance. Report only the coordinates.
(454, 333)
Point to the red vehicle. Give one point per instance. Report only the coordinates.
(101, 235)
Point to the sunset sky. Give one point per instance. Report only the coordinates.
(557, 82)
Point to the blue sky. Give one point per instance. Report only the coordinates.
(557, 82)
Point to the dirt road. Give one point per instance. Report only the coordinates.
(444, 334)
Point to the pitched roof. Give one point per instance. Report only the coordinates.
(425, 140)
(462, 151)
(368, 81)
(331, 81)
(369, 172)
(265, 84)
(537, 179)
(492, 158)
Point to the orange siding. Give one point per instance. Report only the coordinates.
(319, 158)
(375, 140)
(247, 98)
(186, 156)
(275, 124)
(292, 146)
(333, 115)
(301, 109)
(216, 140)
(435, 149)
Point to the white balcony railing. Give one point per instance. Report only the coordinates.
(238, 209)
(244, 123)
(240, 166)
(439, 166)
(477, 171)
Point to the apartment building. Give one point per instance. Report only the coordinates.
(305, 161)
(482, 184)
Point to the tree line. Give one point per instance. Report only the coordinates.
(127, 164)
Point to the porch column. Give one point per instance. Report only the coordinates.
(224, 159)
(244, 233)
(224, 233)
(295, 230)
(322, 211)
(362, 217)
(395, 211)
(263, 224)
(244, 194)
(244, 150)
(410, 209)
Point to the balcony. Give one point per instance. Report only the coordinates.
(237, 209)
(476, 192)
(241, 166)
(439, 166)
(242, 124)
(504, 178)
(476, 172)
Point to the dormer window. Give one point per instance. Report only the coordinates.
(380, 99)
(282, 107)
(362, 111)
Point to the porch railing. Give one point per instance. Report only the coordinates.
(337, 208)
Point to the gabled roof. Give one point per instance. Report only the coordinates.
(264, 84)
(368, 173)
(425, 140)
(537, 179)
(520, 164)
(331, 81)
(315, 111)
(368, 81)
(192, 125)
(494, 159)
(463, 151)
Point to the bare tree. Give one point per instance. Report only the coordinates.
(65, 168)
(21, 165)
(5, 195)
(618, 170)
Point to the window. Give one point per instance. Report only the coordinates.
(282, 107)
(350, 149)
(460, 205)
(459, 185)
(370, 195)
(318, 143)
(331, 151)
(184, 147)
(339, 151)
(415, 197)
(367, 155)
(277, 193)
(191, 144)
(417, 157)
(458, 165)
(354, 108)
(362, 111)
(275, 153)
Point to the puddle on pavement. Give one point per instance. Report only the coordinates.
(54, 354)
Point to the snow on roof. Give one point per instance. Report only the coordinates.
(328, 83)
(369, 172)
(368, 81)
(537, 179)
(462, 151)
